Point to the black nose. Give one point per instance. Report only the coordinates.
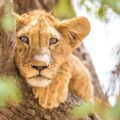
(39, 67)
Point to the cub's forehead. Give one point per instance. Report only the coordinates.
(35, 14)
(37, 20)
(39, 16)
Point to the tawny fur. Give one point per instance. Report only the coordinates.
(65, 72)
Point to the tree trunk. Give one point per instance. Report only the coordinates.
(29, 109)
(7, 42)
(82, 53)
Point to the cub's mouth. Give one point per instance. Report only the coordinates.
(39, 81)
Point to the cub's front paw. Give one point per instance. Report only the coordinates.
(51, 96)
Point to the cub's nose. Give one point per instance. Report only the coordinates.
(40, 68)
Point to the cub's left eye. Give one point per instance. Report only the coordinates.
(24, 39)
(53, 41)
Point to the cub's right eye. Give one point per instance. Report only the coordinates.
(24, 39)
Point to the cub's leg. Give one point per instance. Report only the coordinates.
(56, 92)
(80, 83)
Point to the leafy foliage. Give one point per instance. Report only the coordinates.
(9, 91)
(114, 4)
(100, 7)
(85, 109)
(64, 9)
(106, 113)
(8, 22)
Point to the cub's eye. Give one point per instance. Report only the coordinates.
(24, 39)
(53, 41)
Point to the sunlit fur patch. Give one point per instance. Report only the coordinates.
(44, 57)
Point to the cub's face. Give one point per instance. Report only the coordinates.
(45, 43)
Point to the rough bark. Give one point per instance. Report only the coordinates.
(30, 109)
(7, 44)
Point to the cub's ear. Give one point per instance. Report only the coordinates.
(74, 30)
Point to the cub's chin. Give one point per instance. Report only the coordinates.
(39, 81)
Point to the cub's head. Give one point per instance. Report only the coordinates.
(45, 43)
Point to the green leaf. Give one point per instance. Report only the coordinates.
(64, 9)
(102, 12)
(8, 23)
(114, 4)
(84, 109)
(9, 91)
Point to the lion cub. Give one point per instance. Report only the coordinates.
(44, 57)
